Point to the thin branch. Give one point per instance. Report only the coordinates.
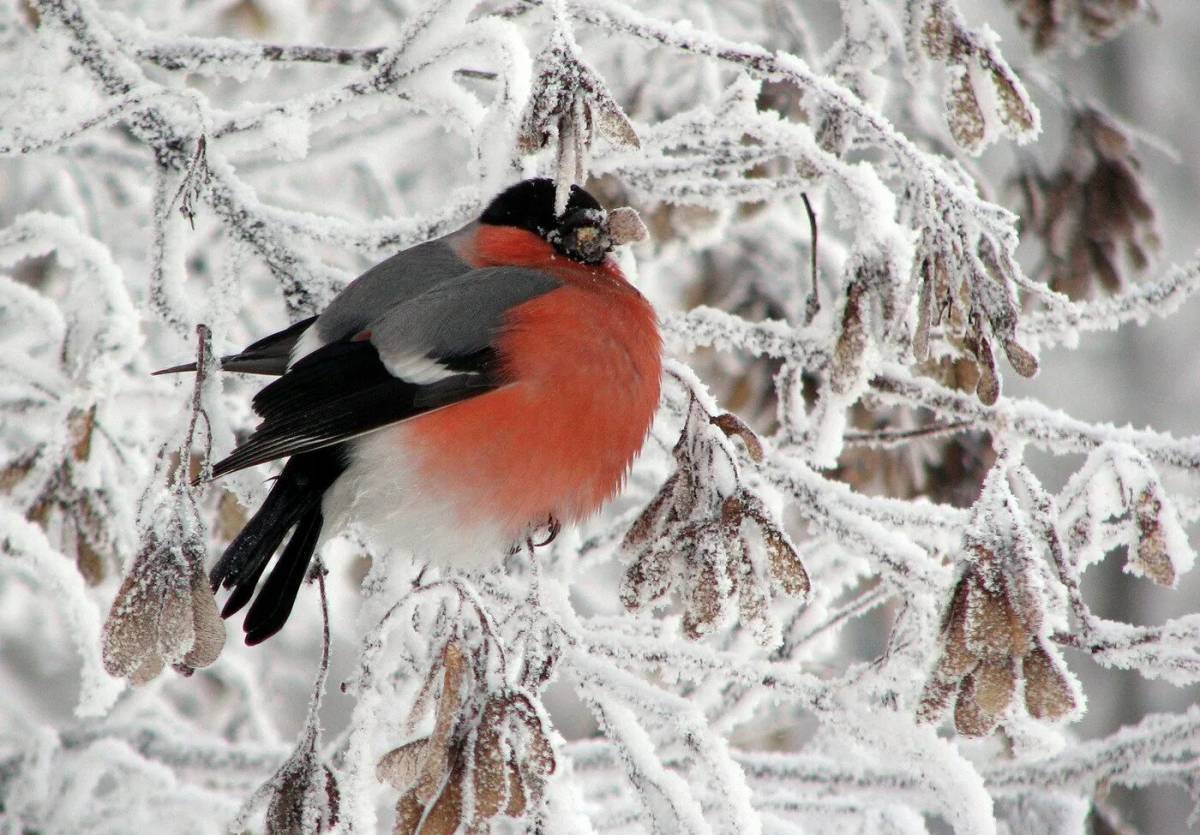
(892, 438)
(813, 304)
(1158, 298)
(203, 368)
(1041, 425)
(109, 115)
(189, 54)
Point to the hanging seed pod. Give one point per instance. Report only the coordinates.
(164, 613)
(970, 717)
(1048, 692)
(995, 683)
(1150, 556)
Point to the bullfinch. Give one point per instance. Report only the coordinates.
(451, 400)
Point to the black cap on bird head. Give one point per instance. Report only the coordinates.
(580, 232)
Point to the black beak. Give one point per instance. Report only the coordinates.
(583, 235)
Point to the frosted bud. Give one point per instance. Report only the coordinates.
(625, 226)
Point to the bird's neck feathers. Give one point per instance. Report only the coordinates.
(508, 246)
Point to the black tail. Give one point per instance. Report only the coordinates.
(269, 355)
(293, 503)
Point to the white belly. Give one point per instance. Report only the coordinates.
(395, 509)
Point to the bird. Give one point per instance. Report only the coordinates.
(451, 400)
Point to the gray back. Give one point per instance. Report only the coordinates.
(459, 315)
(402, 277)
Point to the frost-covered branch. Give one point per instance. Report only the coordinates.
(1036, 422)
(835, 560)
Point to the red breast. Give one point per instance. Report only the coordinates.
(585, 365)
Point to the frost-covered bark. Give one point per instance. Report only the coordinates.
(842, 590)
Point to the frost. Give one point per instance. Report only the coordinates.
(835, 594)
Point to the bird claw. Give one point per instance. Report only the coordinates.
(554, 527)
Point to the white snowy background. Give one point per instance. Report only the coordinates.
(906, 590)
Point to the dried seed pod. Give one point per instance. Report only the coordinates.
(704, 603)
(304, 789)
(970, 718)
(436, 763)
(401, 766)
(1051, 22)
(491, 781)
(995, 683)
(993, 628)
(1093, 209)
(1015, 109)
(562, 78)
(408, 814)
(1023, 362)
(754, 605)
(935, 698)
(1150, 556)
(90, 563)
(734, 426)
(957, 657)
(537, 761)
(444, 816)
(16, 471)
(852, 340)
(785, 564)
(625, 226)
(164, 613)
(649, 577)
(964, 115)
(925, 313)
(1048, 692)
(988, 390)
(695, 530)
(207, 625)
(517, 803)
(937, 33)
(649, 521)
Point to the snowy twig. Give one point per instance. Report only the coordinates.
(190, 53)
(1031, 420)
(1160, 297)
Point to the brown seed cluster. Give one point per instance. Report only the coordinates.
(564, 86)
(991, 641)
(164, 612)
(1092, 215)
(1051, 22)
(972, 296)
(304, 794)
(1150, 525)
(489, 755)
(971, 61)
(994, 635)
(74, 515)
(719, 547)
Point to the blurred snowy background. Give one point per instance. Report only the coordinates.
(338, 132)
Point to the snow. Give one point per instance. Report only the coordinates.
(819, 541)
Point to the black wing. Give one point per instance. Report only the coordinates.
(343, 390)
